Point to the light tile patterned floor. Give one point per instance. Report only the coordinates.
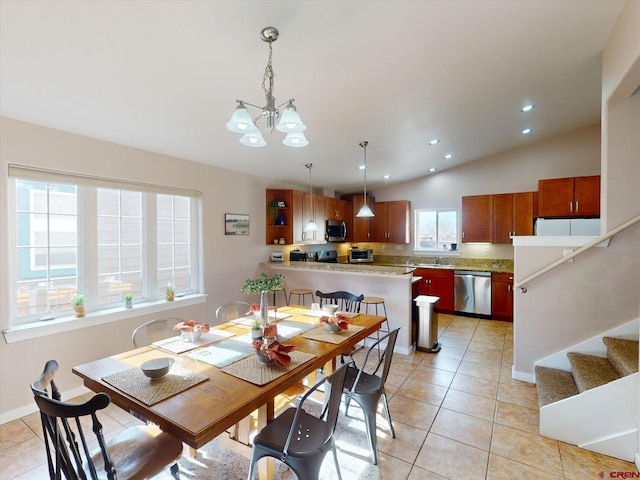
(457, 414)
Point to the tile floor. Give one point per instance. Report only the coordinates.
(457, 414)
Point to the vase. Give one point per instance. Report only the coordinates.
(128, 304)
(170, 296)
(281, 219)
(256, 333)
(264, 308)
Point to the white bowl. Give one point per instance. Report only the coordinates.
(157, 368)
(330, 308)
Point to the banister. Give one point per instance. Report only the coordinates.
(522, 283)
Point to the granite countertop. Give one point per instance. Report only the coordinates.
(372, 268)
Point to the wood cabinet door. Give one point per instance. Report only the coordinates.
(399, 221)
(299, 221)
(523, 213)
(477, 216)
(502, 218)
(502, 296)
(555, 197)
(378, 224)
(587, 196)
(360, 225)
(441, 285)
(320, 216)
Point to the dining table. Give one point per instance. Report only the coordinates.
(222, 382)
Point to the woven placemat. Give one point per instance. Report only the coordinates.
(254, 371)
(323, 335)
(133, 382)
(178, 345)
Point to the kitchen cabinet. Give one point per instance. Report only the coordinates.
(502, 296)
(340, 211)
(361, 226)
(512, 215)
(437, 282)
(274, 229)
(391, 223)
(569, 197)
(477, 218)
(302, 213)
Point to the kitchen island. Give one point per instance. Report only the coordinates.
(393, 283)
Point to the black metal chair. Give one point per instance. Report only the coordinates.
(347, 302)
(155, 330)
(365, 386)
(299, 439)
(137, 453)
(231, 311)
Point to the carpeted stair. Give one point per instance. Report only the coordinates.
(587, 371)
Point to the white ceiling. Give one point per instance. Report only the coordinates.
(164, 76)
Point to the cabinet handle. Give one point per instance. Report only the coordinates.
(571, 207)
(577, 207)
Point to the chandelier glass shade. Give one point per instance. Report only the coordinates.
(365, 210)
(287, 118)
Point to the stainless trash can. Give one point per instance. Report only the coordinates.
(427, 338)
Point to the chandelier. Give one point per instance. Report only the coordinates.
(289, 120)
(365, 211)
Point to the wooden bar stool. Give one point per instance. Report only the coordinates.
(384, 327)
(286, 299)
(301, 292)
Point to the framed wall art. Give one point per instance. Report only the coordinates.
(236, 224)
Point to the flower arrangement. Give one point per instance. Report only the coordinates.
(263, 284)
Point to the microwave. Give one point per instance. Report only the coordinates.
(336, 231)
(361, 255)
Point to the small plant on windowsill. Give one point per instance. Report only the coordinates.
(77, 302)
(170, 292)
(128, 300)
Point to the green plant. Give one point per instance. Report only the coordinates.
(128, 297)
(263, 284)
(273, 211)
(77, 300)
(256, 324)
(170, 288)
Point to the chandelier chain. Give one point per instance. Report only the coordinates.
(268, 75)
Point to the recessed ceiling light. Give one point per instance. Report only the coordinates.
(528, 108)
(527, 131)
(432, 169)
(361, 167)
(387, 177)
(434, 141)
(448, 156)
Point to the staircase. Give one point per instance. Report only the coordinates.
(595, 405)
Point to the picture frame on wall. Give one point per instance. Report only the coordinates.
(236, 224)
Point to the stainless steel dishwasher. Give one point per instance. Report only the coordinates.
(472, 292)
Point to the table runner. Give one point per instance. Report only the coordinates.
(323, 335)
(178, 345)
(133, 382)
(254, 371)
(224, 352)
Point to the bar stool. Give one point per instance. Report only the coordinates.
(286, 299)
(384, 326)
(301, 292)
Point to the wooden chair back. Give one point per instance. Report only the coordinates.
(347, 302)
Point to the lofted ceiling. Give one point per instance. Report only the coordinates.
(164, 77)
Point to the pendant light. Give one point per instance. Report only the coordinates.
(311, 226)
(365, 211)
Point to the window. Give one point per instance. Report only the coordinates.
(98, 238)
(435, 229)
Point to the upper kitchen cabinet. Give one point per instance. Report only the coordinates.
(360, 226)
(477, 218)
(392, 222)
(569, 197)
(305, 209)
(340, 211)
(279, 204)
(512, 215)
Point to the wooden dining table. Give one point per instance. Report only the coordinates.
(202, 412)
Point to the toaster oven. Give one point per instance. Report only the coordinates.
(361, 255)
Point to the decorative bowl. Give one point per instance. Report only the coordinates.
(330, 308)
(332, 327)
(264, 358)
(190, 336)
(157, 368)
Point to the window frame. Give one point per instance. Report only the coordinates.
(437, 211)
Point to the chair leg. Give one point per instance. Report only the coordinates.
(175, 471)
(386, 409)
(335, 458)
(370, 422)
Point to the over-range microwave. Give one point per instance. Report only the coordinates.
(336, 231)
(361, 255)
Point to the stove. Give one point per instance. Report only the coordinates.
(327, 256)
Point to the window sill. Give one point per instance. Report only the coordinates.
(67, 324)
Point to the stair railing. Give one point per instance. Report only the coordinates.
(522, 283)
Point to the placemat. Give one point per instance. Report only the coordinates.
(178, 345)
(323, 335)
(322, 313)
(224, 352)
(254, 371)
(288, 329)
(133, 382)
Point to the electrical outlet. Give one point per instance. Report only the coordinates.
(487, 248)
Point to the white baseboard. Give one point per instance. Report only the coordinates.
(524, 377)
(32, 407)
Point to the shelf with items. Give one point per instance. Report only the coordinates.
(279, 216)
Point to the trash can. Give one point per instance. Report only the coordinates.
(427, 340)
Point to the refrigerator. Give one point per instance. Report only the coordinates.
(568, 226)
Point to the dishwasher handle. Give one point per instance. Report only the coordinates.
(471, 272)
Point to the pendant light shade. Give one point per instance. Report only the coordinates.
(290, 120)
(365, 211)
(253, 139)
(295, 139)
(241, 121)
(311, 225)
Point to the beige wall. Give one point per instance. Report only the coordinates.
(228, 260)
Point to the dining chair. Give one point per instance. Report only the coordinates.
(365, 386)
(300, 439)
(137, 453)
(230, 311)
(155, 330)
(347, 302)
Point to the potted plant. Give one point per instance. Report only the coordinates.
(256, 328)
(170, 292)
(77, 302)
(263, 286)
(128, 300)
